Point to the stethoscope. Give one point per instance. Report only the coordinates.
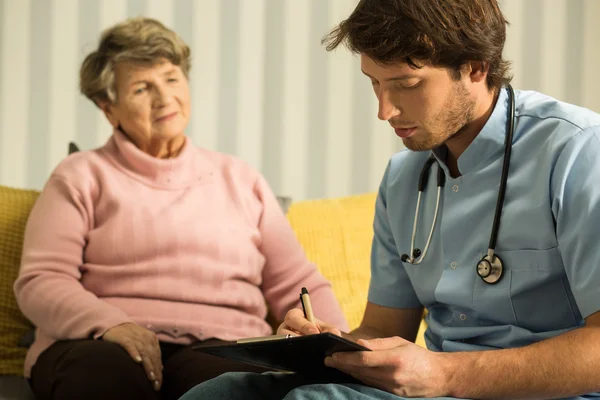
(490, 267)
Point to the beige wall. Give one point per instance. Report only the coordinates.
(263, 87)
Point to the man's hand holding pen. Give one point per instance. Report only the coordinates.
(295, 323)
(303, 322)
(395, 364)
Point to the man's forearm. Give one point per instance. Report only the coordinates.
(566, 365)
(382, 322)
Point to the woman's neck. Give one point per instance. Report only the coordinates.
(158, 147)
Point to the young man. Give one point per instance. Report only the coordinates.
(514, 315)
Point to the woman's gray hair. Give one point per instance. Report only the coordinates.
(139, 40)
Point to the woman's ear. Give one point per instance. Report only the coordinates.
(109, 111)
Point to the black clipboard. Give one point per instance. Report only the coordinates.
(303, 354)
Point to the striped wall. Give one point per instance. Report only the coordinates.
(263, 87)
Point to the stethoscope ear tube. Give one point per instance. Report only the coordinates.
(441, 178)
(489, 268)
(424, 177)
(416, 256)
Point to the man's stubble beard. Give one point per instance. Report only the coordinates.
(451, 121)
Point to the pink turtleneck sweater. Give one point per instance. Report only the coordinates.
(190, 248)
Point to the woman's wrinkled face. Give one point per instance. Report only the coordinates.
(152, 102)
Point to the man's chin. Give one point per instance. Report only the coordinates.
(416, 145)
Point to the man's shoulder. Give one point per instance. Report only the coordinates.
(531, 104)
(406, 163)
(548, 127)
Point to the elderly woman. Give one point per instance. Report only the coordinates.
(147, 245)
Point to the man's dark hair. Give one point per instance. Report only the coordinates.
(444, 33)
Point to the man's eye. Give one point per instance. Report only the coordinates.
(409, 85)
(173, 79)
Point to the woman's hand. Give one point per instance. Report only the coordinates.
(396, 366)
(296, 324)
(142, 345)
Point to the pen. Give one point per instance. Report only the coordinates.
(306, 306)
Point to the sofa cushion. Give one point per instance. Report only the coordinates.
(336, 235)
(15, 205)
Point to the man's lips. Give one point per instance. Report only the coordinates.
(405, 132)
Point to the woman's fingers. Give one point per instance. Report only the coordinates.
(152, 361)
(150, 367)
(132, 350)
(142, 345)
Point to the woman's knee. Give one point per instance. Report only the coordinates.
(98, 356)
(91, 368)
(95, 363)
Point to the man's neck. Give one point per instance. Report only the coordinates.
(457, 144)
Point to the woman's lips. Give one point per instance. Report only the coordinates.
(166, 117)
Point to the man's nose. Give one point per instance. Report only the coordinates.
(387, 110)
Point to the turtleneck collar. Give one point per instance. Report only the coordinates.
(170, 173)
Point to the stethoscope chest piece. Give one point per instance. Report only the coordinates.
(490, 269)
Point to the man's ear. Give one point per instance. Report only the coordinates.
(478, 71)
(108, 109)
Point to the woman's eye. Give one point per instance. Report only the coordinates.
(139, 90)
(173, 79)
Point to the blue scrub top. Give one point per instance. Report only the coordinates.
(548, 239)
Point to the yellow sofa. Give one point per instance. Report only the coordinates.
(335, 233)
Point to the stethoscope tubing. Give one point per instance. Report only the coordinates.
(415, 256)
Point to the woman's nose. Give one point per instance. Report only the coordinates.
(162, 97)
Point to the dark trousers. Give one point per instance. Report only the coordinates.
(95, 369)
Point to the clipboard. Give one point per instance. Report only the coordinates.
(285, 353)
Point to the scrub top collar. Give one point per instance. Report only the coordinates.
(488, 142)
